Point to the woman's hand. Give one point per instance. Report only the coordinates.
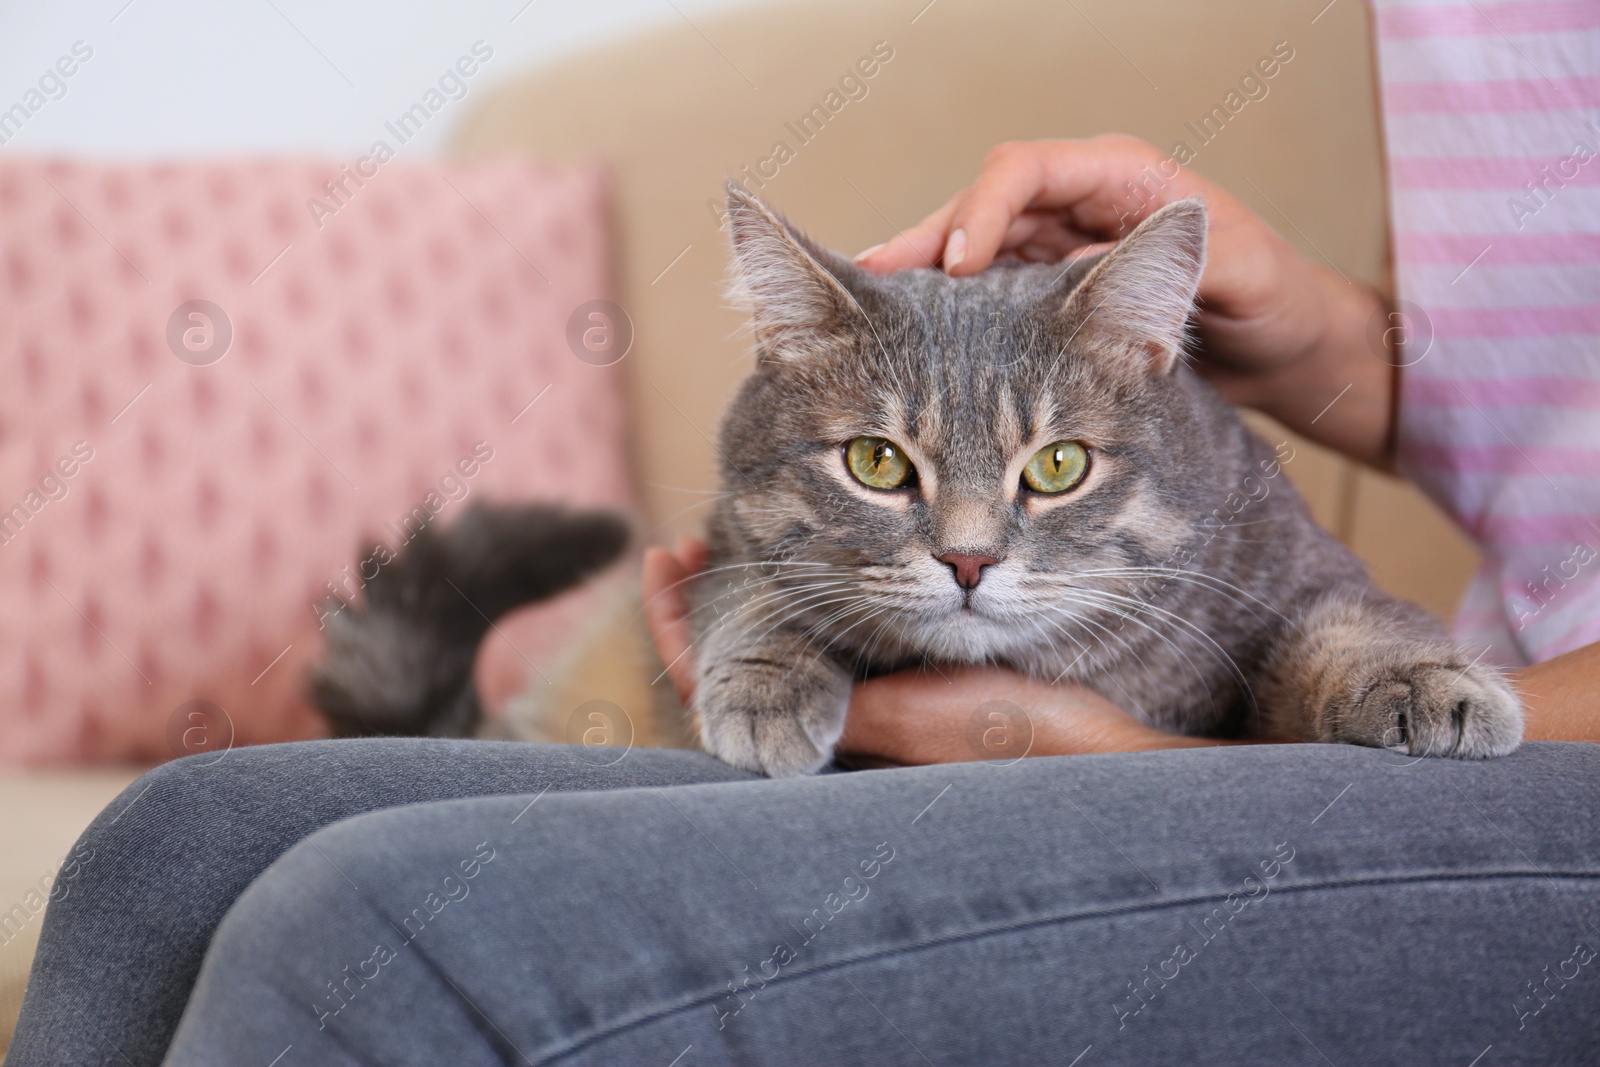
(945, 715)
(1277, 333)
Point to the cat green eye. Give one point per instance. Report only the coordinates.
(878, 463)
(1056, 468)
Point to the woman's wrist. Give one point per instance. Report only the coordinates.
(1558, 696)
(1060, 735)
(1339, 392)
(1079, 721)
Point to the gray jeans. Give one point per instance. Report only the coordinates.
(1274, 904)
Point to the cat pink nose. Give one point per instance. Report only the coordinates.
(968, 567)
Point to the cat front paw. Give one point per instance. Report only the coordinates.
(1445, 706)
(775, 722)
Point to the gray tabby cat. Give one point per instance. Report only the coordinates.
(1020, 468)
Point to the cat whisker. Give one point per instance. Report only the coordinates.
(781, 600)
(793, 611)
(1129, 617)
(768, 563)
(685, 489)
(871, 647)
(838, 639)
(1182, 574)
(1127, 703)
(685, 510)
(1199, 578)
(784, 586)
(743, 566)
(1112, 600)
(1088, 622)
(772, 611)
(1039, 620)
(834, 618)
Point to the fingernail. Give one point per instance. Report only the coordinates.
(865, 255)
(955, 249)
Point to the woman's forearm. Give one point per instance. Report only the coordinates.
(978, 713)
(1562, 696)
(1342, 391)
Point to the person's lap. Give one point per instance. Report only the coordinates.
(124, 935)
(1383, 910)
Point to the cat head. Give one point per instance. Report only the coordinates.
(962, 458)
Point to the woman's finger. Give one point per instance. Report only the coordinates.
(692, 554)
(1011, 179)
(666, 613)
(1086, 183)
(919, 246)
(1102, 187)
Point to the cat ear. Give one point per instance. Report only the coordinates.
(798, 302)
(1135, 302)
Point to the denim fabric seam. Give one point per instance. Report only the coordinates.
(655, 1014)
(476, 1017)
(491, 1034)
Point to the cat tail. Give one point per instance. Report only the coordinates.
(402, 663)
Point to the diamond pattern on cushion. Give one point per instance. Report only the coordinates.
(368, 355)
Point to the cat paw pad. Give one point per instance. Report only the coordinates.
(767, 741)
(1430, 709)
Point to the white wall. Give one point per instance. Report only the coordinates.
(214, 77)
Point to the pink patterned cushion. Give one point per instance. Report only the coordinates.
(169, 523)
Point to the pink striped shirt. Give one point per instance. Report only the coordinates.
(1492, 117)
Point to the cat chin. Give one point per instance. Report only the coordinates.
(967, 637)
